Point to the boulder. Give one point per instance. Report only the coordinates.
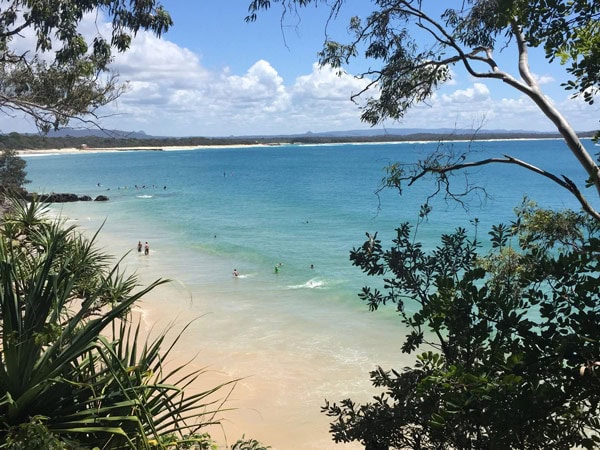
(60, 197)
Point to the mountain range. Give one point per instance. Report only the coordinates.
(119, 134)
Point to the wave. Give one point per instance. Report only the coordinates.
(143, 196)
(244, 275)
(313, 283)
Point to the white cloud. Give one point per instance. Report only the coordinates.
(169, 85)
(479, 92)
(170, 92)
(543, 79)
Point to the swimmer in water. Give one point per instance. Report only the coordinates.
(235, 273)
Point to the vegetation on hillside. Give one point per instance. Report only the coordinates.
(13, 176)
(16, 141)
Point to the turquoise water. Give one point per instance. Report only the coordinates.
(301, 334)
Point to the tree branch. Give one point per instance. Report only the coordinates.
(563, 182)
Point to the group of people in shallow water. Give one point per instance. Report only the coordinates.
(146, 247)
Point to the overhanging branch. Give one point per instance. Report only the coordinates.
(563, 181)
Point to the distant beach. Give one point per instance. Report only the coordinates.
(74, 150)
(79, 150)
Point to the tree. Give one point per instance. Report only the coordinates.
(514, 338)
(415, 51)
(62, 77)
(74, 369)
(514, 345)
(12, 172)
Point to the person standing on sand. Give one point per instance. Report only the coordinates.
(146, 248)
(139, 246)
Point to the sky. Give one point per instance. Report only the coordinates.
(213, 74)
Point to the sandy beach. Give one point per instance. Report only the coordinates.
(75, 150)
(277, 394)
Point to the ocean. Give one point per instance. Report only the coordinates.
(291, 326)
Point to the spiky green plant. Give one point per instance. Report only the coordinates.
(71, 360)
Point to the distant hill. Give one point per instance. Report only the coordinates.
(412, 131)
(114, 134)
(370, 132)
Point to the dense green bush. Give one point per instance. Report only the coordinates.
(508, 341)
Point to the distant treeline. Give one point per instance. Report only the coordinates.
(16, 141)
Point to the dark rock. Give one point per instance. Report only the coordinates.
(60, 197)
(52, 198)
(101, 198)
(63, 198)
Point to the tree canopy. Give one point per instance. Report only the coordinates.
(469, 34)
(12, 172)
(514, 337)
(65, 74)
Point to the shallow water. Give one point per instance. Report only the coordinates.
(300, 335)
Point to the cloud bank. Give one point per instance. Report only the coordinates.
(171, 93)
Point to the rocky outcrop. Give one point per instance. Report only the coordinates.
(62, 197)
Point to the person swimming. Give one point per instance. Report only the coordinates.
(235, 273)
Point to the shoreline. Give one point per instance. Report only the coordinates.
(279, 390)
(75, 150)
(91, 150)
(292, 346)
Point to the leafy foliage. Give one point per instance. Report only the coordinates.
(12, 172)
(74, 370)
(415, 50)
(60, 78)
(248, 444)
(513, 338)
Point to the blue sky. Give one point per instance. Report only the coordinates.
(213, 74)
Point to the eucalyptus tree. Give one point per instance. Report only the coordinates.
(413, 44)
(65, 74)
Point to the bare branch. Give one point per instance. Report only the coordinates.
(563, 181)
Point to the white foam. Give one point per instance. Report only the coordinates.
(310, 284)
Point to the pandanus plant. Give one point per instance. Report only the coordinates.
(72, 362)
